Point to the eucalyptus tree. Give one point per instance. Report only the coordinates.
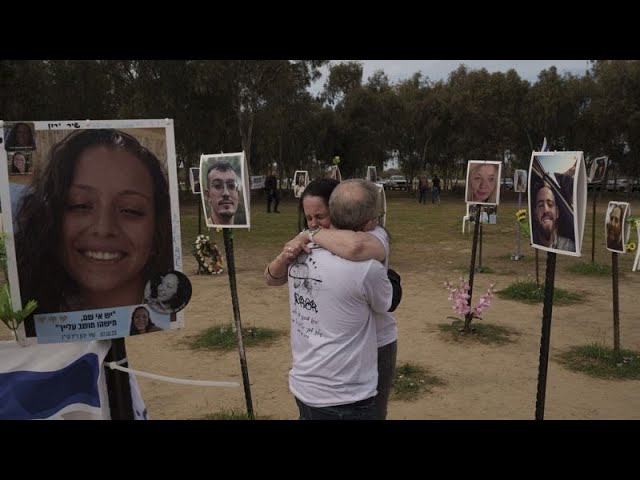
(616, 112)
(252, 84)
(408, 124)
(364, 120)
(23, 93)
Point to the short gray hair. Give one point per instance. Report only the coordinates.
(353, 203)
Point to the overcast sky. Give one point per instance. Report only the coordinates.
(440, 69)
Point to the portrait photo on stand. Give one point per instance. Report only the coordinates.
(520, 181)
(483, 182)
(225, 190)
(334, 172)
(19, 136)
(194, 180)
(300, 182)
(92, 226)
(615, 232)
(557, 201)
(372, 176)
(19, 162)
(598, 169)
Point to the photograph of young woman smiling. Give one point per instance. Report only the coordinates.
(95, 226)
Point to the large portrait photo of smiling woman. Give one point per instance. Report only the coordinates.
(95, 224)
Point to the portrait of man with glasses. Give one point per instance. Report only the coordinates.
(223, 197)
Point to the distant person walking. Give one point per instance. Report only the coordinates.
(435, 189)
(422, 187)
(273, 194)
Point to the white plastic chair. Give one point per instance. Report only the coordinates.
(466, 219)
(636, 262)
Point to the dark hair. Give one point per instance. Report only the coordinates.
(182, 295)
(14, 169)
(133, 330)
(222, 165)
(11, 138)
(40, 216)
(322, 187)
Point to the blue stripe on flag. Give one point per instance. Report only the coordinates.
(26, 395)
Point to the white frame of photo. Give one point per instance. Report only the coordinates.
(128, 126)
(516, 174)
(205, 159)
(194, 172)
(579, 197)
(625, 228)
(497, 186)
(295, 181)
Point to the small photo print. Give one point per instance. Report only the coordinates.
(19, 136)
(598, 169)
(194, 180)
(334, 172)
(372, 176)
(614, 226)
(168, 293)
(224, 195)
(483, 182)
(300, 182)
(520, 181)
(19, 162)
(144, 320)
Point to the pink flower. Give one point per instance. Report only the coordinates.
(460, 297)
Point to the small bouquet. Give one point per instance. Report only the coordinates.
(460, 297)
(207, 255)
(523, 220)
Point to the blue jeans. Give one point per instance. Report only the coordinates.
(362, 410)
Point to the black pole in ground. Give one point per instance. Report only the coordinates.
(480, 250)
(593, 229)
(231, 270)
(616, 309)
(118, 386)
(476, 229)
(546, 334)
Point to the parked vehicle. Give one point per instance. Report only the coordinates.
(398, 182)
(507, 183)
(621, 185)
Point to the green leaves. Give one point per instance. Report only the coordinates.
(11, 318)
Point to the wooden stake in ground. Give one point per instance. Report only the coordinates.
(118, 386)
(616, 304)
(231, 270)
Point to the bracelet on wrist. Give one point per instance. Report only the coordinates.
(271, 275)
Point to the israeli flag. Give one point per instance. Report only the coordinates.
(61, 381)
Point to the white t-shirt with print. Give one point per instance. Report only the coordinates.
(333, 335)
(386, 325)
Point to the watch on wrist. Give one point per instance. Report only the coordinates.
(312, 232)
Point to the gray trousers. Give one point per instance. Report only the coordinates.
(386, 374)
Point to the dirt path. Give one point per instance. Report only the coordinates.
(482, 381)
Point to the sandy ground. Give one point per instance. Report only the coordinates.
(482, 381)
